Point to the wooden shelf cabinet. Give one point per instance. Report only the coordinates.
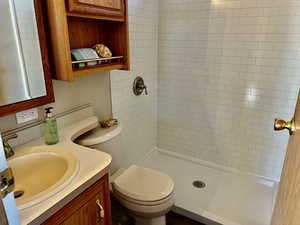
(92, 207)
(74, 27)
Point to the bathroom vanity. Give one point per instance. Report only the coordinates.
(81, 197)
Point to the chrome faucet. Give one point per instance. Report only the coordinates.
(8, 150)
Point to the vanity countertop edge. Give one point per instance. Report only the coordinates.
(93, 165)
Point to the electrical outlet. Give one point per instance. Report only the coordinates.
(26, 116)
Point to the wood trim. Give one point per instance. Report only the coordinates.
(49, 98)
(127, 41)
(60, 43)
(114, 5)
(71, 208)
(3, 218)
(97, 69)
(98, 17)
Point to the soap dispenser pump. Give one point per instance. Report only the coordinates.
(50, 128)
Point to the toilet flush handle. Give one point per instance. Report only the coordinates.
(101, 211)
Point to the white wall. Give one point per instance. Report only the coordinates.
(138, 115)
(227, 68)
(93, 89)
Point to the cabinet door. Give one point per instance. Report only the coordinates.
(91, 207)
(107, 8)
(91, 213)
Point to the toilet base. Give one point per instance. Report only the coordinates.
(161, 220)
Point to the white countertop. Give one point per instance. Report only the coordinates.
(93, 165)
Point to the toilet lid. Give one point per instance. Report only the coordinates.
(99, 135)
(144, 184)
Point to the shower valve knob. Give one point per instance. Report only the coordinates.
(139, 86)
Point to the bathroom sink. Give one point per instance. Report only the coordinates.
(41, 172)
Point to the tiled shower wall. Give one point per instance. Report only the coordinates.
(227, 68)
(138, 115)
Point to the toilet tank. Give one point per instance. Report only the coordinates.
(107, 140)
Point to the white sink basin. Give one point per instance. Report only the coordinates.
(41, 172)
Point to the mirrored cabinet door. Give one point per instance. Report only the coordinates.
(24, 65)
(13, 78)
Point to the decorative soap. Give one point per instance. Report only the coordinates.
(109, 123)
(102, 50)
(84, 53)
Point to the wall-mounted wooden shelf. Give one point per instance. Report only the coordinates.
(99, 60)
(73, 25)
(97, 69)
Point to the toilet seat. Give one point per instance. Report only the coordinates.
(143, 186)
(144, 203)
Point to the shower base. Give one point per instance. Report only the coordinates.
(228, 197)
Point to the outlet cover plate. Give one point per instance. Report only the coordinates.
(26, 116)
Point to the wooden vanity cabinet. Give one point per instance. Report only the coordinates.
(105, 8)
(92, 207)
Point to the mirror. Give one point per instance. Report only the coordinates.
(22, 59)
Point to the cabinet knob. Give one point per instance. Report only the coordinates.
(101, 210)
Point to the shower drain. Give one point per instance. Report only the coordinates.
(199, 184)
(18, 194)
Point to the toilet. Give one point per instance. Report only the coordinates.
(147, 194)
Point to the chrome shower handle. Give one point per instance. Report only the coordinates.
(139, 86)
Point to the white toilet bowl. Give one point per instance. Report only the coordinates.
(146, 193)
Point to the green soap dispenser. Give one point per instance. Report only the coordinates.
(50, 128)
